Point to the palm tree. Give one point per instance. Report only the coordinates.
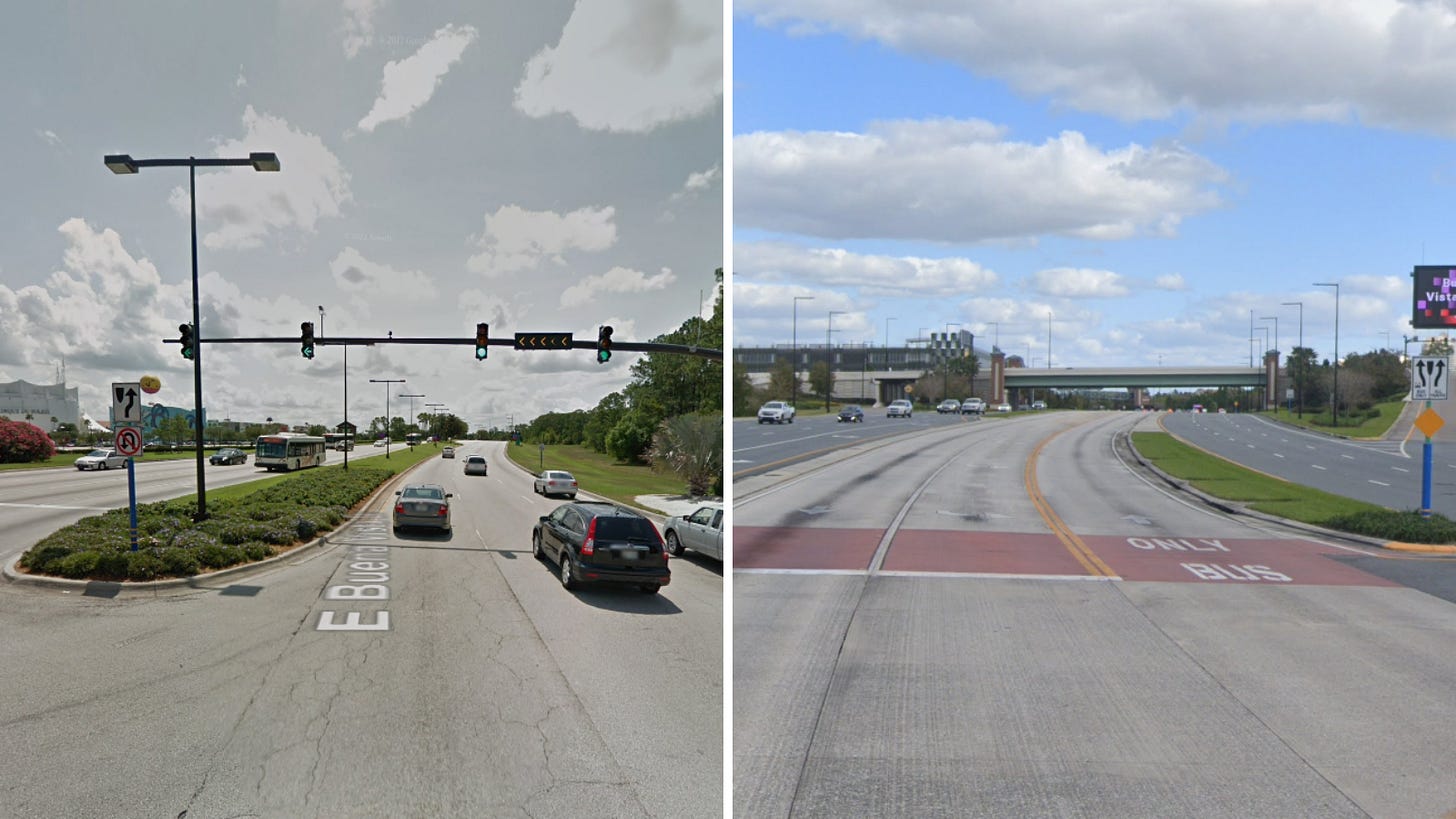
(692, 447)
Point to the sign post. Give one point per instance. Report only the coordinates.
(126, 415)
(1430, 378)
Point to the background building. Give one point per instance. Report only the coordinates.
(45, 405)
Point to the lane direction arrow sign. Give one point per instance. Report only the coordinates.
(126, 403)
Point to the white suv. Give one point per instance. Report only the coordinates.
(973, 406)
(776, 412)
(899, 409)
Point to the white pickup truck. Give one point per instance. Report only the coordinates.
(776, 412)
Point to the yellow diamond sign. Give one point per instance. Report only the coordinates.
(1429, 422)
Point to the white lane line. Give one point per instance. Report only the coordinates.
(1000, 576)
(1350, 457)
(54, 506)
(1400, 469)
(1277, 455)
(801, 571)
(1317, 466)
(1379, 483)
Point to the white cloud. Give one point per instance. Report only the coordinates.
(241, 81)
(359, 25)
(958, 181)
(872, 274)
(311, 185)
(616, 280)
(355, 274)
(699, 181)
(1373, 61)
(629, 66)
(1079, 283)
(409, 83)
(517, 239)
(50, 137)
(1171, 281)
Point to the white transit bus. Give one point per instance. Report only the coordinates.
(288, 451)
(341, 441)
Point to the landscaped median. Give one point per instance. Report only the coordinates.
(246, 523)
(1220, 478)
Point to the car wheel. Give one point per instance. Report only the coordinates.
(674, 546)
(649, 588)
(536, 551)
(566, 580)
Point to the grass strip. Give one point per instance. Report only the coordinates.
(1224, 479)
(597, 473)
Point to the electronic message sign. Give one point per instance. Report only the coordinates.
(1435, 296)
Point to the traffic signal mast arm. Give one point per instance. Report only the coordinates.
(369, 341)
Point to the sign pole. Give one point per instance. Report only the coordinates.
(1429, 381)
(131, 498)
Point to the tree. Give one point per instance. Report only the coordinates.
(780, 382)
(1303, 376)
(746, 397)
(1388, 377)
(23, 443)
(1440, 345)
(629, 439)
(692, 447)
(317, 429)
(821, 379)
(604, 416)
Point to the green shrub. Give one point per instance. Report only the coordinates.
(78, 565)
(142, 565)
(180, 563)
(1407, 527)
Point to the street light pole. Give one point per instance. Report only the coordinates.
(411, 396)
(794, 390)
(386, 382)
(1335, 404)
(945, 366)
(828, 358)
(1299, 385)
(124, 164)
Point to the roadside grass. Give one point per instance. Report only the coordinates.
(597, 473)
(246, 523)
(1374, 427)
(1264, 493)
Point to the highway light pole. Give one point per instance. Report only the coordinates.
(434, 408)
(828, 358)
(411, 396)
(1299, 385)
(124, 164)
(386, 382)
(945, 367)
(1335, 403)
(794, 390)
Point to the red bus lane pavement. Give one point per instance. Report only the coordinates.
(1264, 561)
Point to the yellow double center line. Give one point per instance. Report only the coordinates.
(1084, 555)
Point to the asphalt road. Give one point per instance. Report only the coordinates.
(1388, 472)
(492, 691)
(1009, 620)
(759, 447)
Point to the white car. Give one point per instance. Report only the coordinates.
(475, 464)
(776, 412)
(380, 442)
(1003, 407)
(555, 482)
(701, 531)
(973, 406)
(900, 408)
(101, 459)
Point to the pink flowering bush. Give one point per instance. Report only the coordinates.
(23, 443)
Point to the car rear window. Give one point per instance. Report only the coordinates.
(421, 492)
(626, 529)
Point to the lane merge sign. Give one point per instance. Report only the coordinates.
(1430, 377)
(126, 403)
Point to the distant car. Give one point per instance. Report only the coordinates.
(852, 413)
(701, 531)
(592, 541)
(227, 457)
(475, 465)
(101, 459)
(776, 412)
(949, 405)
(381, 442)
(973, 406)
(555, 482)
(900, 408)
(423, 505)
(1038, 405)
(1003, 407)
(447, 452)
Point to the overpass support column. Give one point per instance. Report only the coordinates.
(998, 378)
(1271, 379)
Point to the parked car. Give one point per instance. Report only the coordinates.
(776, 412)
(591, 541)
(900, 408)
(852, 413)
(101, 459)
(475, 465)
(447, 452)
(1003, 407)
(424, 505)
(227, 457)
(701, 531)
(555, 482)
(1038, 405)
(973, 406)
(949, 405)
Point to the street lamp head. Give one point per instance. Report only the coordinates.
(120, 163)
(266, 161)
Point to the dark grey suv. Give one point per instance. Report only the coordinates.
(591, 541)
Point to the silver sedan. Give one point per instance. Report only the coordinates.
(422, 504)
(555, 482)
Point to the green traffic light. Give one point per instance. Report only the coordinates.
(479, 353)
(603, 356)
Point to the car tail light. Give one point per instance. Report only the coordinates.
(444, 510)
(589, 546)
(399, 509)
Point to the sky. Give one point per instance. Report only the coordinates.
(1146, 175)
(541, 167)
